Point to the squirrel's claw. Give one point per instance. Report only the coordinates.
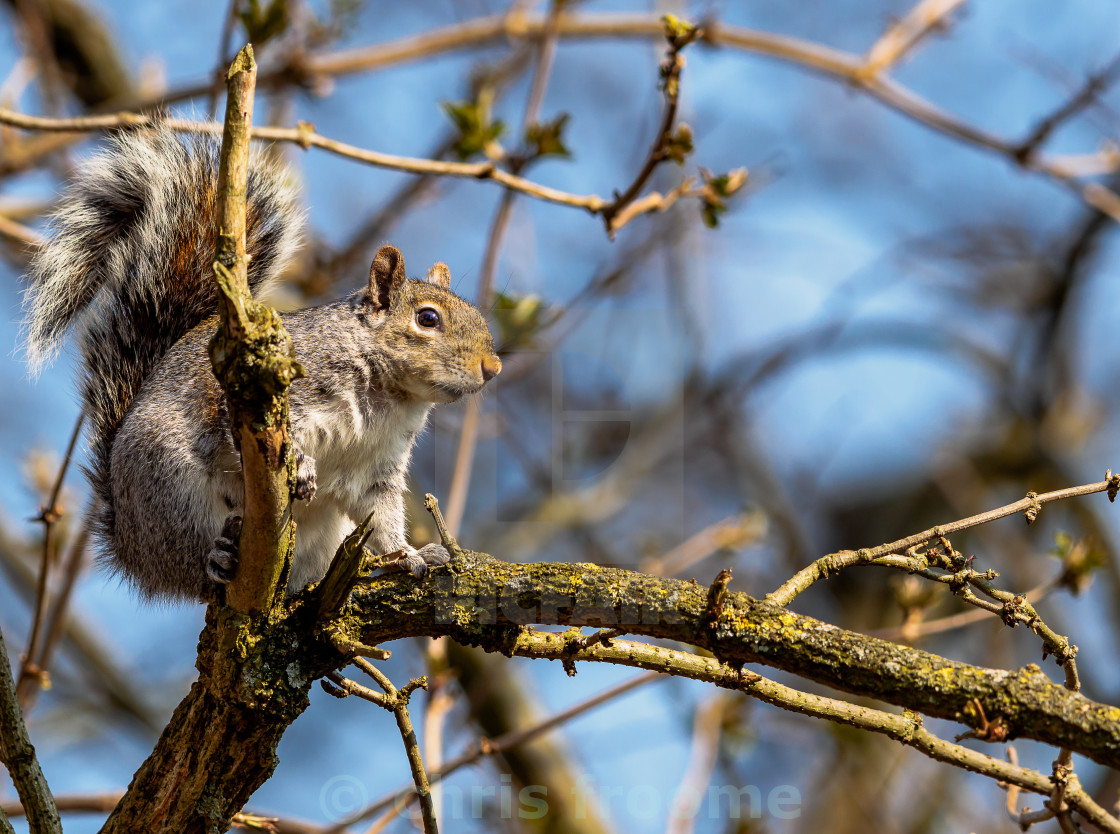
(305, 476)
(221, 561)
(417, 562)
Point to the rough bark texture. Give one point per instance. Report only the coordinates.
(220, 744)
(255, 673)
(478, 598)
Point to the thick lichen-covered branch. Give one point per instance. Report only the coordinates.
(478, 598)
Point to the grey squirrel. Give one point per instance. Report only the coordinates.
(130, 259)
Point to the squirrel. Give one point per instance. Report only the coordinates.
(130, 262)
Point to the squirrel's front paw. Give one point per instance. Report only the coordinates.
(305, 476)
(417, 562)
(221, 561)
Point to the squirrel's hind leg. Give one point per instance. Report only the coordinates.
(221, 561)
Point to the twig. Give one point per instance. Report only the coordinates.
(352, 648)
(431, 504)
(706, 732)
(306, 137)
(826, 565)
(906, 33)
(18, 756)
(491, 747)
(31, 670)
(735, 531)
(20, 234)
(915, 631)
(905, 728)
(437, 709)
(1089, 93)
(464, 462)
(396, 701)
(659, 150)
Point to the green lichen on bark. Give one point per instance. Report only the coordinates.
(477, 599)
(256, 363)
(255, 672)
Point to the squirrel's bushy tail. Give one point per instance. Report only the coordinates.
(130, 259)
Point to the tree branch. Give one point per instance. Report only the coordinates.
(493, 746)
(18, 756)
(32, 672)
(479, 598)
(903, 35)
(1031, 505)
(396, 701)
(254, 360)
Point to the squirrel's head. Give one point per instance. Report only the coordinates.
(439, 344)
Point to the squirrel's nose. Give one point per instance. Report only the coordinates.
(491, 367)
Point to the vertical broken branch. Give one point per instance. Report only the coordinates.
(255, 363)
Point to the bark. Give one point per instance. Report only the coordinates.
(255, 673)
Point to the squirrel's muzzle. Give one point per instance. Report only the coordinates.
(491, 367)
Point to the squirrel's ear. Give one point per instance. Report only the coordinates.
(440, 275)
(386, 275)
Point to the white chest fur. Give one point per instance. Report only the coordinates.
(355, 447)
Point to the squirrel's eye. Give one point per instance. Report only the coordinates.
(427, 317)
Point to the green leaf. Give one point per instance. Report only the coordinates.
(518, 319)
(717, 188)
(472, 119)
(679, 32)
(679, 145)
(1080, 558)
(264, 23)
(546, 138)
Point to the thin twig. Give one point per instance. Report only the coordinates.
(436, 711)
(1094, 87)
(833, 562)
(20, 233)
(658, 152)
(31, 671)
(396, 701)
(734, 532)
(60, 608)
(707, 726)
(911, 632)
(508, 741)
(906, 33)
